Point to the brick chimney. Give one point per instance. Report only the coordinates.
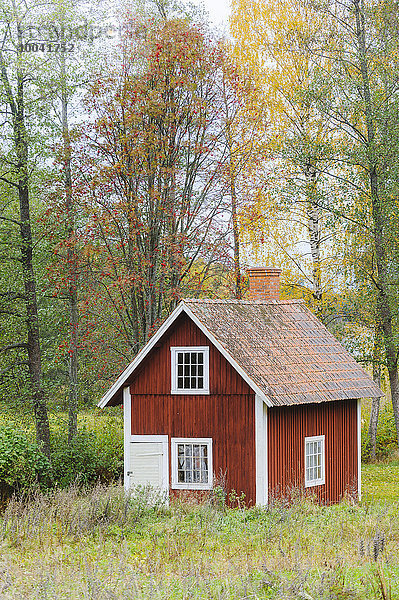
(264, 283)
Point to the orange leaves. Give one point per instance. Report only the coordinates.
(150, 189)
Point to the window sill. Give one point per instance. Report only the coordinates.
(314, 483)
(192, 392)
(191, 486)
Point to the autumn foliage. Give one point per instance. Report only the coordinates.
(174, 161)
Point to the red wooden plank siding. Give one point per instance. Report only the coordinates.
(154, 376)
(228, 420)
(287, 429)
(226, 414)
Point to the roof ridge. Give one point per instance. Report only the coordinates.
(235, 301)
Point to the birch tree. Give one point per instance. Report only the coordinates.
(350, 53)
(269, 38)
(16, 172)
(358, 90)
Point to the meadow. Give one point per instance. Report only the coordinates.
(98, 544)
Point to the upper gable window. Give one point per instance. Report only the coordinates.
(190, 369)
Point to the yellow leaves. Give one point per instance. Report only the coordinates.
(272, 37)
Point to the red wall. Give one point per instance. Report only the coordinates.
(154, 376)
(287, 429)
(226, 414)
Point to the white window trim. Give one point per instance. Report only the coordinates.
(191, 486)
(173, 353)
(322, 479)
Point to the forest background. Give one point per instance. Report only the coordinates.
(145, 159)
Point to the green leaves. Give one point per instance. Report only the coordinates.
(23, 465)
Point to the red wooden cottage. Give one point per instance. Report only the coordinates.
(257, 389)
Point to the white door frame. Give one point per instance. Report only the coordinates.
(127, 429)
(129, 438)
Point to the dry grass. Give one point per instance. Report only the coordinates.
(100, 545)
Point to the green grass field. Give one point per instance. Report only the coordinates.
(98, 545)
(380, 481)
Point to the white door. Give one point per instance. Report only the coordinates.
(148, 462)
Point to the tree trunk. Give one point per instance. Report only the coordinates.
(375, 403)
(233, 197)
(313, 214)
(32, 322)
(72, 267)
(17, 109)
(383, 304)
(236, 234)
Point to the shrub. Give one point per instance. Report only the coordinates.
(22, 463)
(72, 462)
(386, 435)
(108, 442)
(366, 446)
(93, 456)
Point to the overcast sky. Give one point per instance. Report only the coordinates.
(218, 10)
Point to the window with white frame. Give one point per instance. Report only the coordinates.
(190, 370)
(314, 460)
(191, 463)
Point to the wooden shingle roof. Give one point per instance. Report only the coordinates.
(285, 350)
(280, 348)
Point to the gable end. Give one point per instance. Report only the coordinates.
(154, 367)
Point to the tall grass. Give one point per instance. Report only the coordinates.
(99, 544)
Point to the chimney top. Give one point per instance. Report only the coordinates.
(264, 283)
